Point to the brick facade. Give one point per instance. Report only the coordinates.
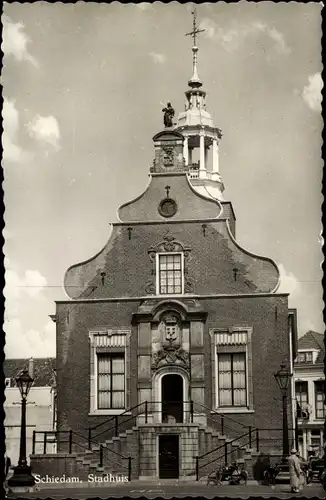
(224, 289)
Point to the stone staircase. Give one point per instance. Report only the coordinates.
(237, 451)
(127, 444)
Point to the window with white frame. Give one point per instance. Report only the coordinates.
(305, 357)
(109, 362)
(301, 393)
(232, 369)
(319, 399)
(8, 382)
(232, 379)
(170, 273)
(111, 380)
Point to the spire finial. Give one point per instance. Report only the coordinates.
(194, 81)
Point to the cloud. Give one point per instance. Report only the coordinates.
(31, 284)
(24, 294)
(312, 92)
(45, 129)
(288, 282)
(11, 150)
(21, 343)
(158, 58)
(14, 41)
(233, 37)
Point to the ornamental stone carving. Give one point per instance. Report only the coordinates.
(169, 244)
(170, 356)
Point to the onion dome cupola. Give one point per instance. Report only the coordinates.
(201, 137)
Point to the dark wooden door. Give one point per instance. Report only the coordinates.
(169, 456)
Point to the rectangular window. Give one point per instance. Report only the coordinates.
(232, 386)
(111, 381)
(305, 357)
(301, 393)
(170, 273)
(319, 400)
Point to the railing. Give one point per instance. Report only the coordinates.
(252, 436)
(220, 420)
(100, 449)
(115, 425)
(188, 411)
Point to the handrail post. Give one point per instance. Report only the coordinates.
(192, 411)
(257, 439)
(44, 443)
(89, 438)
(70, 442)
(225, 454)
(146, 412)
(197, 468)
(129, 468)
(116, 425)
(222, 424)
(101, 455)
(250, 440)
(34, 440)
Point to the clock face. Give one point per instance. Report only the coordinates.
(167, 207)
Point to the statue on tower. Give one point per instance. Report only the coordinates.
(168, 115)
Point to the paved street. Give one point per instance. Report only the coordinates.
(137, 489)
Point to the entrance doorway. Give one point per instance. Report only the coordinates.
(172, 397)
(169, 456)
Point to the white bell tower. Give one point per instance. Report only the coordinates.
(201, 137)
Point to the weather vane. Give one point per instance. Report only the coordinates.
(195, 30)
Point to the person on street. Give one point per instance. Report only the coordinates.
(295, 471)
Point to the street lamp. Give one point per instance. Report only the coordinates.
(283, 378)
(22, 472)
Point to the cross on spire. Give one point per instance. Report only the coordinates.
(194, 82)
(195, 30)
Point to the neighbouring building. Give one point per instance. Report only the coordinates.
(168, 345)
(40, 410)
(309, 379)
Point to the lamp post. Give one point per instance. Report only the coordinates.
(283, 377)
(22, 476)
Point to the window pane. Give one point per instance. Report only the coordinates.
(232, 379)
(118, 400)
(225, 397)
(239, 397)
(104, 365)
(170, 273)
(118, 382)
(111, 375)
(118, 365)
(319, 400)
(104, 400)
(104, 382)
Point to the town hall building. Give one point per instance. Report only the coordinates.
(168, 344)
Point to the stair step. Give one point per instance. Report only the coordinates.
(129, 431)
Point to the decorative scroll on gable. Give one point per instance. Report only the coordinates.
(169, 245)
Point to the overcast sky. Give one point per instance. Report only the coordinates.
(84, 86)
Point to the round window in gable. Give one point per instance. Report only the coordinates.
(167, 207)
